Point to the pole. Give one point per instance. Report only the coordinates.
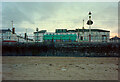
(89, 22)
(26, 36)
(78, 35)
(12, 23)
(89, 27)
(89, 33)
(18, 38)
(37, 37)
(83, 29)
(12, 30)
(37, 34)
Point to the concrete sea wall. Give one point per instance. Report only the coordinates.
(84, 49)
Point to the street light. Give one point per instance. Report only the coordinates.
(89, 22)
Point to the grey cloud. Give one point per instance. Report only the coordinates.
(14, 13)
(73, 13)
(25, 11)
(77, 21)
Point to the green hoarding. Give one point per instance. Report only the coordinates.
(60, 37)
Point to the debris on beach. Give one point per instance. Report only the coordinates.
(105, 70)
(63, 69)
(101, 63)
(76, 66)
(91, 68)
(116, 64)
(36, 64)
(116, 69)
(50, 64)
(17, 65)
(70, 64)
(83, 68)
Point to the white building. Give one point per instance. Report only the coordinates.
(115, 39)
(38, 36)
(6, 35)
(78, 35)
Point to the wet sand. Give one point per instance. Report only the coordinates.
(59, 68)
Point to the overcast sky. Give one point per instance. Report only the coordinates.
(54, 15)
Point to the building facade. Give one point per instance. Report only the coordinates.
(38, 36)
(115, 39)
(6, 35)
(77, 35)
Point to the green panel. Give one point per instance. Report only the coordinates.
(47, 37)
(56, 35)
(65, 38)
(62, 37)
(56, 38)
(72, 38)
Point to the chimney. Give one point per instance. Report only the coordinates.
(13, 30)
(37, 29)
(25, 35)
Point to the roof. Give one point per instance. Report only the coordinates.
(115, 38)
(61, 31)
(24, 38)
(95, 30)
(20, 36)
(5, 30)
(29, 39)
(71, 30)
(42, 31)
(80, 30)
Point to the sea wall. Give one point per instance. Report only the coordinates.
(84, 49)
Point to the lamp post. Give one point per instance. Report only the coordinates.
(78, 35)
(89, 22)
(26, 36)
(12, 30)
(12, 24)
(83, 30)
(37, 34)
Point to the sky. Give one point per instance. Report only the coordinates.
(57, 15)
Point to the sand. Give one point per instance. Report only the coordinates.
(59, 68)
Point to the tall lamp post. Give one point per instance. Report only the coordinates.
(12, 30)
(89, 22)
(83, 30)
(26, 36)
(37, 34)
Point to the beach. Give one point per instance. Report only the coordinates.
(59, 68)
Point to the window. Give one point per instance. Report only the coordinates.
(81, 37)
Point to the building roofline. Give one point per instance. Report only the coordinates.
(98, 30)
(41, 31)
(76, 30)
(115, 38)
(5, 30)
